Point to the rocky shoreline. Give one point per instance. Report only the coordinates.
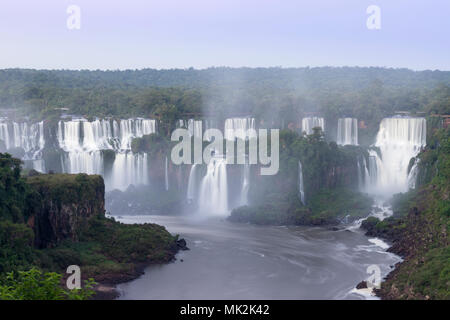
(412, 236)
(107, 283)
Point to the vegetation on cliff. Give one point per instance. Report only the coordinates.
(49, 222)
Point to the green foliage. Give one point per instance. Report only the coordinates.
(129, 243)
(16, 246)
(105, 249)
(15, 195)
(37, 285)
(68, 188)
(274, 95)
(153, 144)
(327, 207)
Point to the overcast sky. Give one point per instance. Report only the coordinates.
(136, 34)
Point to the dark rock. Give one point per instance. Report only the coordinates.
(362, 285)
(181, 243)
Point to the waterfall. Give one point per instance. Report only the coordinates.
(83, 162)
(301, 187)
(312, 122)
(399, 139)
(364, 174)
(192, 184)
(239, 128)
(412, 175)
(245, 184)
(4, 134)
(83, 142)
(166, 175)
(209, 124)
(195, 127)
(128, 169)
(347, 131)
(213, 193)
(28, 137)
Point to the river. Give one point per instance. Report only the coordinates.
(242, 261)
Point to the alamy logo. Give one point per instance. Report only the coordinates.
(258, 151)
(74, 280)
(374, 280)
(74, 19)
(374, 20)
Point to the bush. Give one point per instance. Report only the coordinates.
(36, 285)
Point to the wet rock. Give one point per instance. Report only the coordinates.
(362, 285)
(182, 244)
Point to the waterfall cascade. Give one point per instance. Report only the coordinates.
(213, 192)
(195, 127)
(83, 142)
(347, 133)
(27, 137)
(166, 174)
(245, 184)
(301, 187)
(192, 184)
(412, 175)
(312, 122)
(238, 128)
(399, 139)
(128, 169)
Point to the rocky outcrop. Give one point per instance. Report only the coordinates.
(63, 204)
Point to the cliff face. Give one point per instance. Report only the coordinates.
(63, 204)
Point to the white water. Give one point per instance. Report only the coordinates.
(301, 187)
(192, 184)
(83, 142)
(412, 175)
(28, 137)
(195, 127)
(128, 169)
(213, 192)
(240, 128)
(347, 132)
(399, 140)
(245, 183)
(312, 122)
(166, 174)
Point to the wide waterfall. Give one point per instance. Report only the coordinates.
(301, 186)
(195, 127)
(83, 142)
(213, 192)
(128, 169)
(240, 128)
(347, 132)
(399, 139)
(312, 122)
(29, 138)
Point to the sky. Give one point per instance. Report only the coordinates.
(136, 34)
